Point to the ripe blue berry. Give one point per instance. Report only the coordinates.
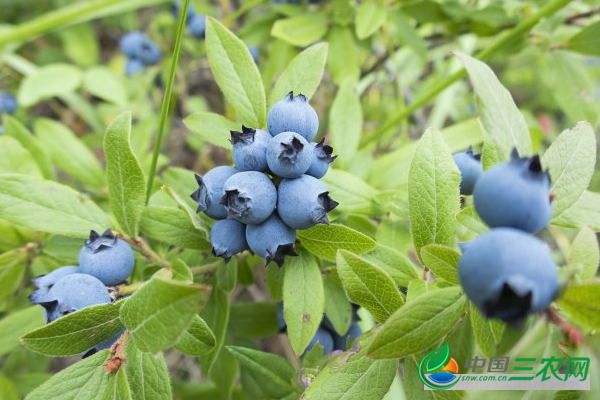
(293, 114)
(507, 274)
(303, 202)
(321, 159)
(44, 283)
(271, 239)
(249, 151)
(131, 42)
(289, 155)
(514, 194)
(254, 53)
(197, 25)
(72, 293)
(176, 8)
(249, 197)
(324, 338)
(8, 104)
(210, 191)
(469, 165)
(132, 66)
(107, 258)
(228, 237)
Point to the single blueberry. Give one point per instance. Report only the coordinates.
(133, 65)
(470, 168)
(131, 42)
(289, 155)
(107, 258)
(72, 293)
(271, 239)
(197, 25)
(249, 151)
(148, 52)
(254, 53)
(210, 191)
(228, 237)
(44, 283)
(324, 338)
(514, 194)
(304, 202)
(508, 274)
(8, 104)
(322, 157)
(249, 197)
(293, 114)
(176, 8)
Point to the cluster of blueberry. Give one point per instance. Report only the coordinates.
(274, 189)
(104, 261)
(196, 23)
(507, 272)
(140, 51)
(8, 104)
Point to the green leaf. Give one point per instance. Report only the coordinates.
(24, 201)
(105, 84)
(181, 271)
(147, 374)
(353, 194)
(570, 159)
(369, 18)
(191, 214)
(303, 299)
(470, 219)
(420, 324)
(126, 182)
(48, 81)
(272, 372)
(354, 376)
(18, 323)
(80, 44)
(197, 339)
(368, 285)
(325, 240)
(442, 260)
(216, 315)
(488, 332)
(489, 155)
(236, 73)
(12, 268)
(253, 319)
(172, 226)
(395, 201)
(227, 275)
(86, 379)
(397, 265)
(342, 61)
(212, 128)
(76, 332)
(433, 195)
(337, 306)
(345, 123)
(158, 313)
(302, 75)
(585, 211)
(15, 159)
(7, 390)
(584, 255)
(69, 153)
(502, 121)
(582, 302)
(117, 387)
(12, 127)
(300, 30)
(586, 41)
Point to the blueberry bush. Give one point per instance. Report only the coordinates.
(369, 181)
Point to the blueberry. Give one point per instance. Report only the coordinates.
(210, 191)
(254, 53)
(228, 237)
(324, 338)
(303, 202)
(289, 155)
(131, 42)
(514, 194)
(107, 258)
(469, 165)
(8, 104)
(148, 52)
(133, 65)
(176, 8)
(44, 283)
(293, 114)
(272, 239)
(321, 159)
(249, 197)
(249, 151)
(507, 274)
(72, 293)
(197, 25)
(354, 331)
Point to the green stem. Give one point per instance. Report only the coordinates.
(167, 98)
(519, 30)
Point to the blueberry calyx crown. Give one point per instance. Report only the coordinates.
(246, 136)
(289, 151)
(534, 164)
(290, 96)
(476, 156)
(326, 204)
(221, 252)
(98, 242)
(280, 253)
(236, 204)
(200, 196)
(324, 152)
(512, 306)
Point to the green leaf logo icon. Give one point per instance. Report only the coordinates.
(437, 358)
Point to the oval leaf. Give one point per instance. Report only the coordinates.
(212, 128)
(198, 339)
(345, 123)
(300, 30)
(48, 81)
(369, 17)
(325, 240)
(587, 41)
(172, 226)
(105, 84)
(147, 374)
(442, 260)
